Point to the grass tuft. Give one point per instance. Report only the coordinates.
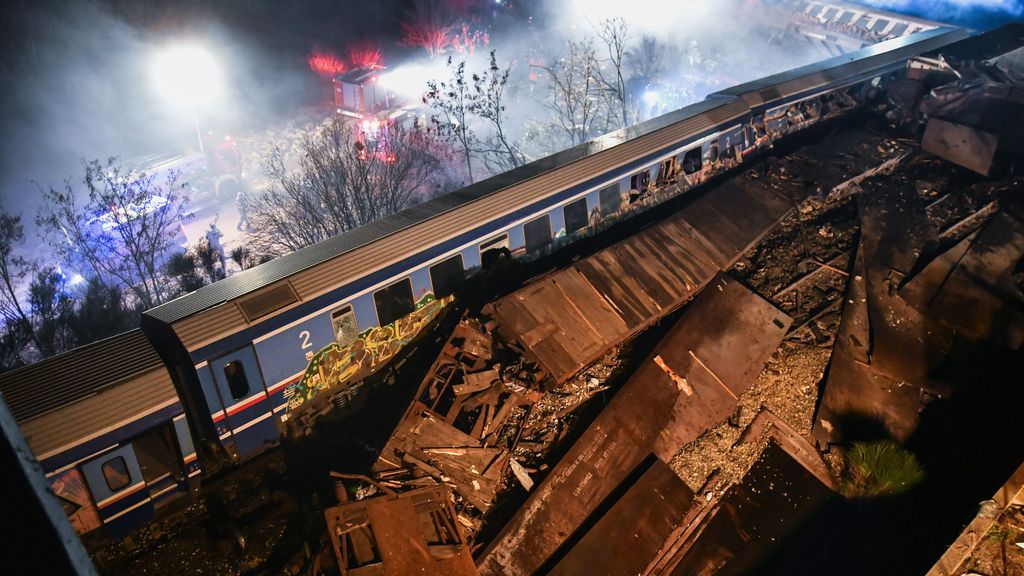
(879, 469)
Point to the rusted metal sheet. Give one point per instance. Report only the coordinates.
(738, 531)
(625, 539)
(569, 319)
(971, 288)
(719, 346)
(800, 492)
(854, 392)
(410, 533)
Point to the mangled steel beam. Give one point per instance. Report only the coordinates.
(719, 347)
(398, 534)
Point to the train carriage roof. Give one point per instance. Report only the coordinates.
(247, 281)
(63, 379)
(860, 63)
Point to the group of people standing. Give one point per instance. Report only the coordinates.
(214, 235)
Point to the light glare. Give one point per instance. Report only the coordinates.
(186, 74)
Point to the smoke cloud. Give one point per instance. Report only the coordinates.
(980, 14)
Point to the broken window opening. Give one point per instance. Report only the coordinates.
(712, 155)
(638, 185)
(668, 172)
(447, 275)
(238, 383)
(346, 329)
(575, 215)
(610, 199)
(394, 302)
(537, 233)
(492, 249)
(692, 161)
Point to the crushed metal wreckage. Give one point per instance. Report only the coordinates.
(869, 257)
(397, 534)
(719, 345)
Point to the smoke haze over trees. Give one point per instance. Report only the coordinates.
(342, 181)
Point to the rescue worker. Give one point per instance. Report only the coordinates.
(242, 202)
(213, 236)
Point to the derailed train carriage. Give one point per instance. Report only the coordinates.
(124, 426)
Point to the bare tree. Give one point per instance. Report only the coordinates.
(574, 98)
(14, 268)
(647, 59)
(428, 25)
(614, 34)
(52, 311)
(344, 180)
(452, 101)
(123, 231)
(100, 312)
(496, 150)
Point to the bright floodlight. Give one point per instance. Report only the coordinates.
(185, 74)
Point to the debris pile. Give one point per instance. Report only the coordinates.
(479, 422)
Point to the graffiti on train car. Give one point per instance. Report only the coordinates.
(336, 364)
(74, 496)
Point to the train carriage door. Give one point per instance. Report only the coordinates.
(161, 463)
(247, 414)
(119, 489)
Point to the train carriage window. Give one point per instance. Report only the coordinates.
(610, 199)
(640, 180)
(712, 153)
(394, 301)
(537, 233)
(575, 215)
(492, 249)
(446, 275)
(115, 472)
(880, 25)
(343, 321)
(862, 22)
(238, 383)
(847, 17)
(692, 161)
(830, 13)
(899, 29)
